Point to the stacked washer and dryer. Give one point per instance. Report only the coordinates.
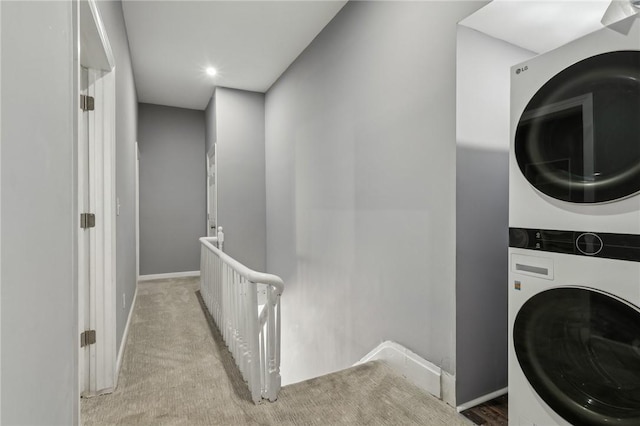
(574, 218)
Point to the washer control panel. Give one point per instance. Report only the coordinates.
(581, 243)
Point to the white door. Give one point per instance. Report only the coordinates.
(96, 196)
(96, 242)
(212, 193)
(84, 238)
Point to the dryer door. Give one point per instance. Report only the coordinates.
(578, 139)
(580, 351)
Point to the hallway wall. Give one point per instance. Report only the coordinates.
(482, 213)
(39, 381)
(126, 134)
(172, 188)
(360, 169)
(237, 118)
(210, 135)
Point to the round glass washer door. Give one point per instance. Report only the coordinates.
(578, 139)
(580, 351)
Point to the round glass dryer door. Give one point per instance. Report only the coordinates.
(578, 139)
(580, 351)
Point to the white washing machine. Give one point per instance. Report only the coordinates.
(575, 135)
(574, 217)
(574, 351)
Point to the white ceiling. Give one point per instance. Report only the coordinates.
(250, 43)
(538, 25)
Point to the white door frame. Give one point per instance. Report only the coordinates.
(97, 362)
(0, 206)
(137, 213)
(212, 159)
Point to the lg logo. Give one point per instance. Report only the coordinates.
(523, 69)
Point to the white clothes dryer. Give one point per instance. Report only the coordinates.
(574, 237)
(574, 337)
(575, 135)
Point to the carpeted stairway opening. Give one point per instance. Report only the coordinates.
(176, 370)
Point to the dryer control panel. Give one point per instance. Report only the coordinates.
(581, 243)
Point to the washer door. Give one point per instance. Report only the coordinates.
(580, 351)
(578, 139)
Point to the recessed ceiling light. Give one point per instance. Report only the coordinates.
(211, 71)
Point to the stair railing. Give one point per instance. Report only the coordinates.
(245, 306)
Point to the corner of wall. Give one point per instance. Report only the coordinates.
(422, 373)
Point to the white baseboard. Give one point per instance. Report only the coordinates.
(482, 399)
(125, 336)
(169, 275)
(417, 370)
(448, 384)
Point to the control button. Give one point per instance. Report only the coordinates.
(589, 244)
(518, 238)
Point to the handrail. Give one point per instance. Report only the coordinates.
(249, 274)
(250, 329)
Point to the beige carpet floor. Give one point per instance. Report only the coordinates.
(177, 371)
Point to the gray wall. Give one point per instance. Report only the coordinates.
(172, 188)
(39, 220)
(360, 167)
(482, 222)
(126, 132)
(210, 123)
(241, 174)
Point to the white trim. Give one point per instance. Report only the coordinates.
(79, 362)
(417, 370)
(448, 384)
(137, 207)
(125, 336)
(208, 213)
(212, 156)
(482, 399)
(102, 33)
(0, 215)
(169, 275)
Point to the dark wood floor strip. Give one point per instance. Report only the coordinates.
(491, 413)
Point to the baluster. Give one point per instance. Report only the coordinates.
(204, 291)
(213, 296)
(202, 270)
(277, 376)
(256, 391)
(270, 337)
(240, 310)
(220, 301)
(248, 288)
(236, 325)
(208, 283)
(217, 281)
(246, 354)
(273, 342)
(227, 306)
(234, 321)
(214, 290)
(263, 364)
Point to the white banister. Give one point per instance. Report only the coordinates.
(251, 331)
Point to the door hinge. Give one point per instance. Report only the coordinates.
(87, 338)
(87, 220)
(87, 103)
